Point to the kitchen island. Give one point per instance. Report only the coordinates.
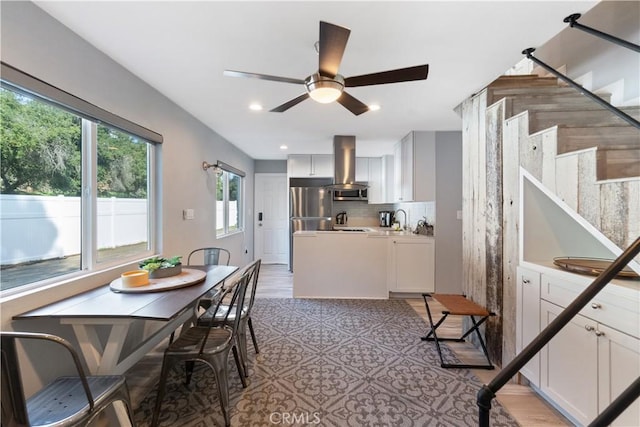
(368, 263)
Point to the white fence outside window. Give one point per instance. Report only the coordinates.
(34, 228)
(44, 227)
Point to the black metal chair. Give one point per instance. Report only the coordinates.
(67, 401)
(223, 314)
(209, 344)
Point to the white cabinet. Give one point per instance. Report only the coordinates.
(339, 265)
(570, 364)
(595, 356)
(387, 177)
(618, 363)
(415, 168)
(362, 169)
(528, 319)
(310, 165)
(375, 190)
(411, 264)
(369, 170)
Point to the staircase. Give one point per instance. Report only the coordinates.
(582, 152)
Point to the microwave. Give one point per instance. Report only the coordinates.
(352, 194)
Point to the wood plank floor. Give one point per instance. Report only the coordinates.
(275, 281)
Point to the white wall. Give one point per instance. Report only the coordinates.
(598, 63)
(37, 44)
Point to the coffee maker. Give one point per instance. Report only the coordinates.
(386, 218)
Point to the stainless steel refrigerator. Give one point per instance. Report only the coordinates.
(310, 204)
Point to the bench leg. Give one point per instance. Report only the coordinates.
(431, 336)
(428, 337)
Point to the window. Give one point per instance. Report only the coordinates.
(76, 185)
(229, 201)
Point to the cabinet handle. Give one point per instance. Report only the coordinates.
(596, 305)
(589, 328)
(526, 281)
(599, 333)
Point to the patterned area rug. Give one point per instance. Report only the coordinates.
(332, 363)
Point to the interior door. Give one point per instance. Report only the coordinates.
(271, 242)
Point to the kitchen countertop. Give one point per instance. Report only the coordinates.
(371, 231)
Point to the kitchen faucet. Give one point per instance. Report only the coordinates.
(404, 227)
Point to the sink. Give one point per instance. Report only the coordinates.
(356, 229)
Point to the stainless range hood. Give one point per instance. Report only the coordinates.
(344, 152)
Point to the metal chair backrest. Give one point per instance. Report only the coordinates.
(14, 405)
(212, 256)
(239, 290)
(253, 283)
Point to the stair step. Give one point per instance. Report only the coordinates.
(523, 80)
(537, 95)
(603, 137)
(539, 120)
(618, 164)
(553, 103)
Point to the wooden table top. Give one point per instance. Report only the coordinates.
(103, 303)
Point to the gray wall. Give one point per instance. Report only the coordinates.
(448, 230)
(39, 45)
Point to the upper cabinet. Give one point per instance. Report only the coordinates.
(310, 165)
(362, 169)
(373, 171)
(415, 168)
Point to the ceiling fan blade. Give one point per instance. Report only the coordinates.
(418, 72)
(352, 104)
(232, 73)
(333, 41)
(295, 101)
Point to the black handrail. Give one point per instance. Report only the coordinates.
(622, 402)
(624, 116)
(572, 20)
(488, 392)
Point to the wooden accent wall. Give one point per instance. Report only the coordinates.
(496, 142)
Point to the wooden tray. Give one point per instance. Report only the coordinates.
(187, 277)
(591, 266)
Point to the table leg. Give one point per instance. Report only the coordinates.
(100, 360)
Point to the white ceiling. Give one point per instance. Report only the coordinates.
(181, 49)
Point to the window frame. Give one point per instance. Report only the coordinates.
(17, 81)
(223, 172)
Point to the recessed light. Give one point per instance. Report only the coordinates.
(374, 107)
(283, 147)
(255, 107)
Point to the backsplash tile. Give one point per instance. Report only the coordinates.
(364, 214)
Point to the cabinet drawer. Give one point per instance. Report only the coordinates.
(608, 307)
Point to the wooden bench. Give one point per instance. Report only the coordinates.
(458, 305)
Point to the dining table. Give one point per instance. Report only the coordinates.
(116, 328)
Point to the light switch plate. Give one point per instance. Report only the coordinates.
(188, 214)
(458, 214)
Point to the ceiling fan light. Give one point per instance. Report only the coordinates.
(325, 95)
(324, 89)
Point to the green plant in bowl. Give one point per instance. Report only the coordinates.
(162, 267)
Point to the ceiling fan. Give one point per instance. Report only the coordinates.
(327, 85)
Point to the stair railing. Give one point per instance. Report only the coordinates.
(488, 392)
(622, 402)
(572, 20)
(624, 116)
